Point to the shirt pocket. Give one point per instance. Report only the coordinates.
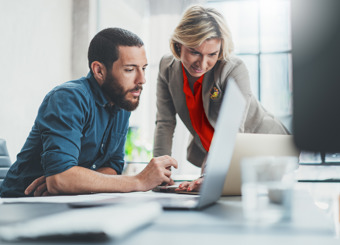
(116, 145)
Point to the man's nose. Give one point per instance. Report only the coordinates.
(141, 77)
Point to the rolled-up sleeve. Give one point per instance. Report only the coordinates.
(117, 159)
(60, 121)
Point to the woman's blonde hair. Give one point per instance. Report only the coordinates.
(199, 24)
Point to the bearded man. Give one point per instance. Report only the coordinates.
(76, 145)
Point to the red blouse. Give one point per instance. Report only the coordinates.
(198, 118)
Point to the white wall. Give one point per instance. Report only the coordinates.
(35, 56)
(154, 21)
(132, 15)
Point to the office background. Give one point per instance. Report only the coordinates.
(44, 43)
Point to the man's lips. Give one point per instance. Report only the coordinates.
(136, 92)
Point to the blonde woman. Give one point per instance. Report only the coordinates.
(192, 81)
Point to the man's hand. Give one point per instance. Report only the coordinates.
(39, 187)
(156, 172)
(190, 186)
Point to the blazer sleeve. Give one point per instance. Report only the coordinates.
(256, 118)
(166, 113)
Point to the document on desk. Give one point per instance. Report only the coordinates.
(107, 222)
(55, 199)
(99, 199)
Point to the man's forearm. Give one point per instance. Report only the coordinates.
(79, 180)
(107, 170)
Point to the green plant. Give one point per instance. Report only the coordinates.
(135, 148)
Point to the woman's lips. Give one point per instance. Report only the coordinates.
(197, 70)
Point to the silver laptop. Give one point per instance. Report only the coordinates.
(249, 145)
(220, 153)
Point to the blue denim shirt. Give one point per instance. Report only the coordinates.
(75, 126)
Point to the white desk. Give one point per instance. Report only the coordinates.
(223, 223)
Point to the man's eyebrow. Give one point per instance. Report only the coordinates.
(134, 65)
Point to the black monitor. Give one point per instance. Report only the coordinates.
(316, 74)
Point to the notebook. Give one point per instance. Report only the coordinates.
(220, 153)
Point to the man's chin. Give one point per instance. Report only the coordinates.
(129, 106)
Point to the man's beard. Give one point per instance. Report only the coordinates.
(117, 94)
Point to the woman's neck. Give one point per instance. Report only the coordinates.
(191, 79)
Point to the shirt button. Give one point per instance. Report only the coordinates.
(94, 166)
(102, 145)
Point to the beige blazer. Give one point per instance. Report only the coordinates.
(171, 101)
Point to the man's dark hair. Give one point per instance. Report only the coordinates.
(104, 45)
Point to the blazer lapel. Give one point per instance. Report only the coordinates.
(207, 85)
(176, 90)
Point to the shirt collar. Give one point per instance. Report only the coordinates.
(99, 94)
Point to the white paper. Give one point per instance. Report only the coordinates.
(55, 199)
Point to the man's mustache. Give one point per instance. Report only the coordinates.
(138, 87)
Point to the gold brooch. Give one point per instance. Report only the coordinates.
(214, 93)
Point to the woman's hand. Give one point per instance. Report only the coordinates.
(194, 185)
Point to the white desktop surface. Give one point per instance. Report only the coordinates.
(223, 223)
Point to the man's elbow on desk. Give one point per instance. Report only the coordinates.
(64, 183)
(56, 185)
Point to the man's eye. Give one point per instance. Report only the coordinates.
(195, 53)
(128, 70)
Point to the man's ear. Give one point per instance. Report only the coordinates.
(99, 71)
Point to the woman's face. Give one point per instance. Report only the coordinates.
(200, 60)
